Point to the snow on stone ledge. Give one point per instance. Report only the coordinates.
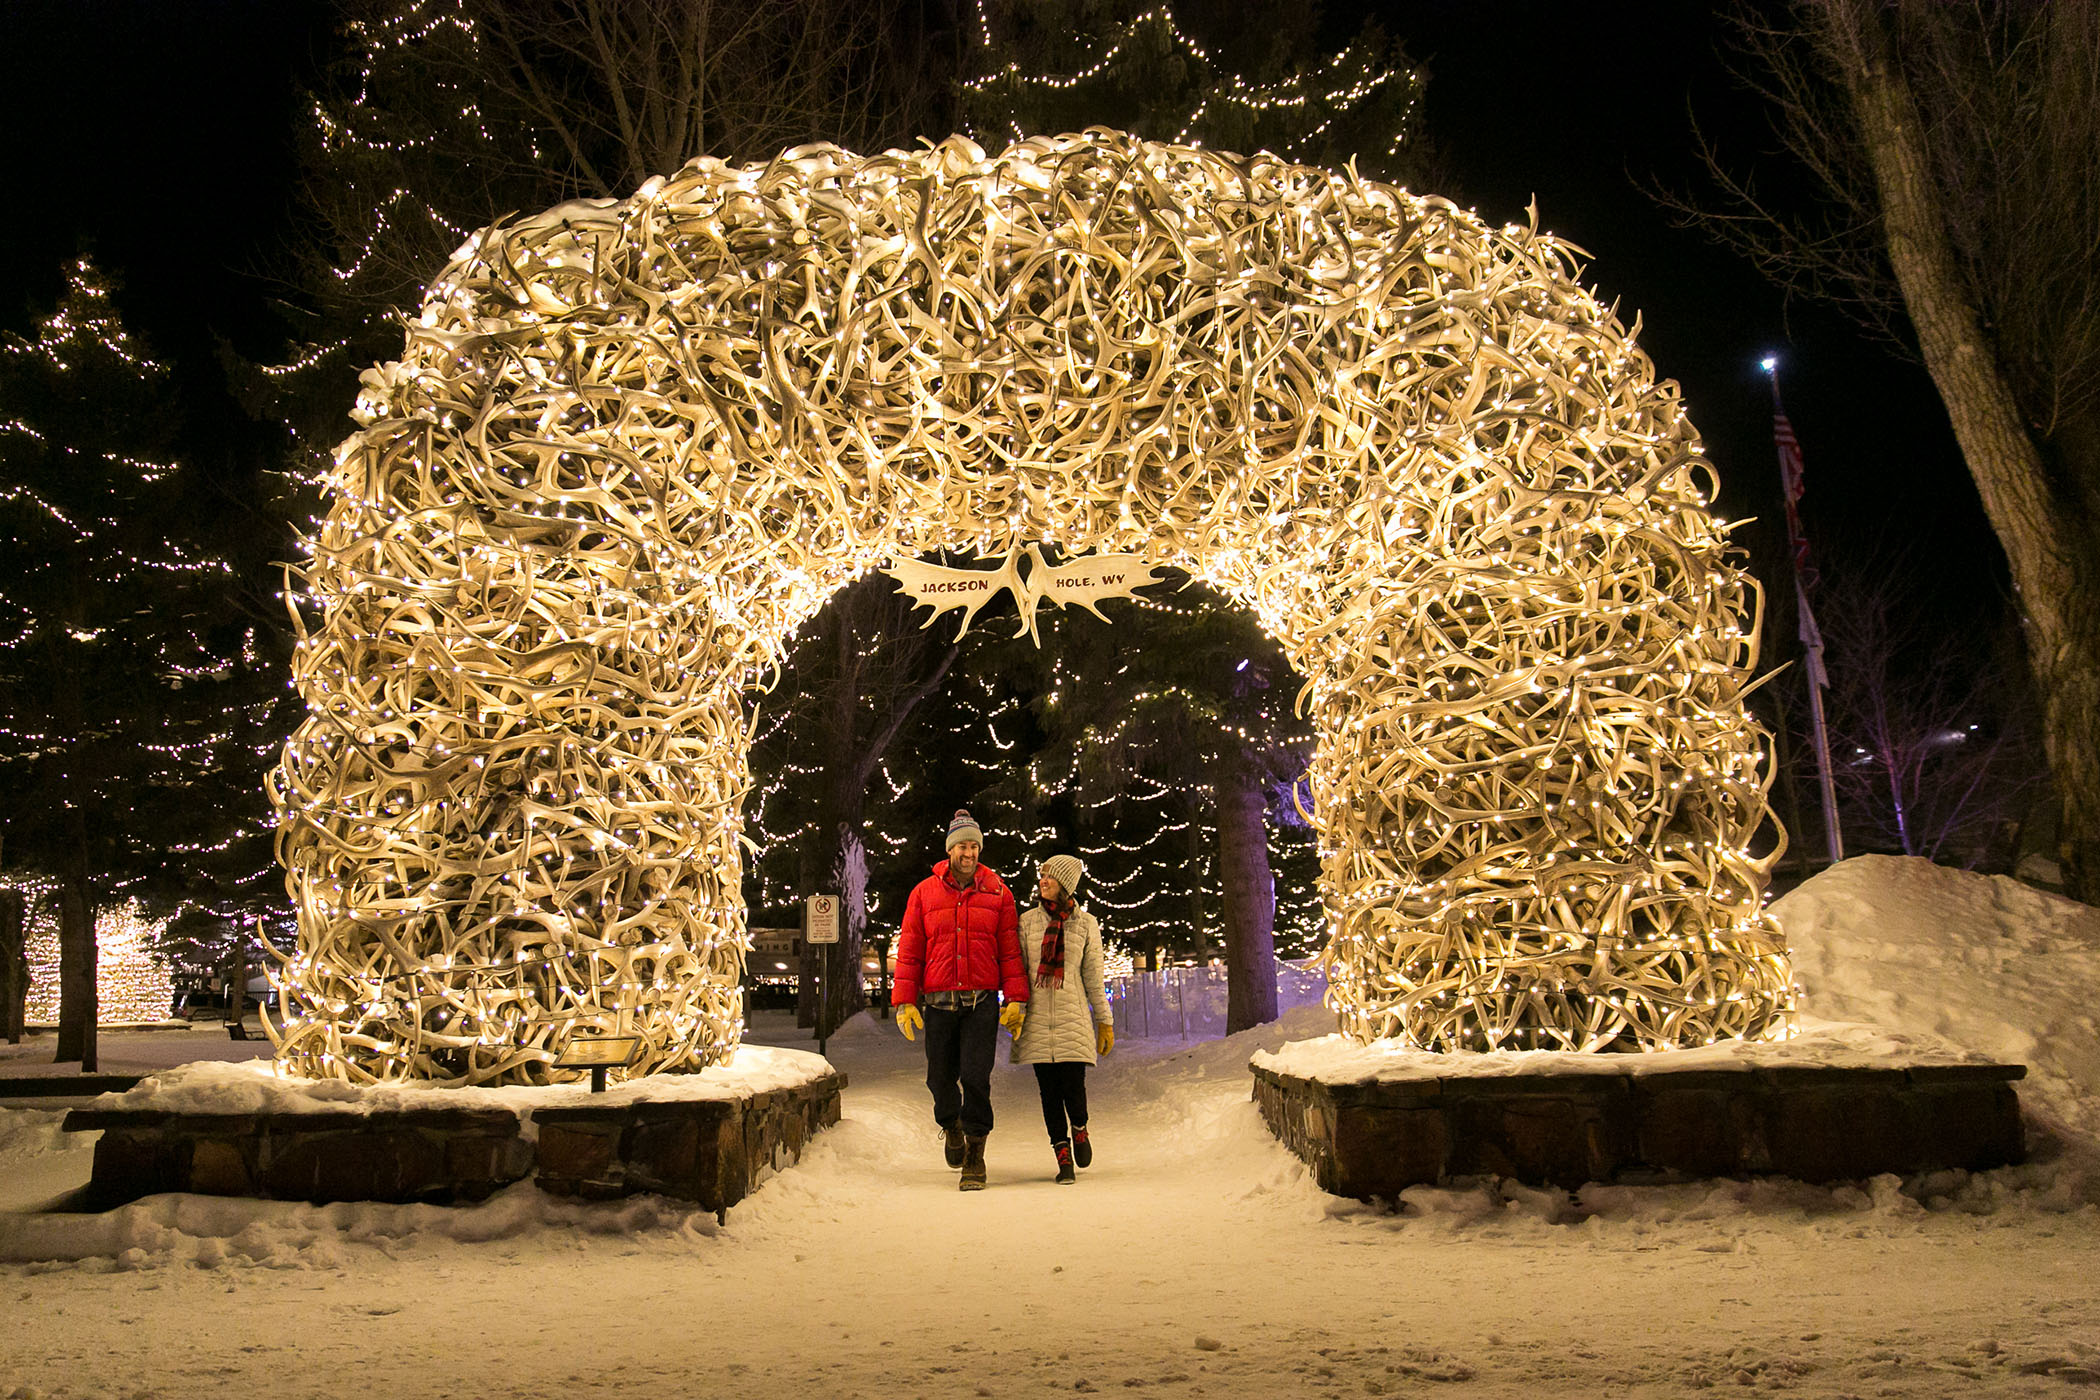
(1336, 1059)
(254, 1086)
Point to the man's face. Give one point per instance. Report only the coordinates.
(962, 859)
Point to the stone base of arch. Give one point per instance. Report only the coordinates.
(1635, 1119)
(679, 1136)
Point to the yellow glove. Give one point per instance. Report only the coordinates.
(1104, 1039)
(1012, 1017)
(909, 1022)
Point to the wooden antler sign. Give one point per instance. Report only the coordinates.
(1080, 582)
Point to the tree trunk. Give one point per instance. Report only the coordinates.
(14, 965)
(237, 992)
(844, 993)
(853, 761)
(806, 958)
(2047, 533)
(846, 876)
(1192, 842)
(1249, 898)
(77, 1008)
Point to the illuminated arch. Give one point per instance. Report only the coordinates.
(631, 445)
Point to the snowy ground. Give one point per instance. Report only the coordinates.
(1195, 1257)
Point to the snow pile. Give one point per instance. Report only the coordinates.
(255, 1086)
(1337, 1059)
(210, 1232)
(1982, 962)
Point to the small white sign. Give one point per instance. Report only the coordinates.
(822, 923)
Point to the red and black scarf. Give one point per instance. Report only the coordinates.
(1050, 972)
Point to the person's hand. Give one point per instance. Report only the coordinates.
(1104, 1039)
(908, 1021)
(1012, 1017)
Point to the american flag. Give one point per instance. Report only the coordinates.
(1791, 482)
(1791, 488)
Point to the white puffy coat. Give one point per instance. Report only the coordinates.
(1061, 1020)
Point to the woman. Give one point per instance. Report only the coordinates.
(1068, 1016)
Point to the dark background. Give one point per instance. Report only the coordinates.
(160, 133)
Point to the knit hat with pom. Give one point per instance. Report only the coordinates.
(961, 827)
(1066, 870)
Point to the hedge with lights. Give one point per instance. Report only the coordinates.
(631, 445)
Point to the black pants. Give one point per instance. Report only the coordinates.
(1063, 1087)
(960, 1045)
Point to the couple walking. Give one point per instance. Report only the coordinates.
(962, 951)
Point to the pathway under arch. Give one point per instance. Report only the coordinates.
(630, 445)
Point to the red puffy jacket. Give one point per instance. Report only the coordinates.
(956, 940)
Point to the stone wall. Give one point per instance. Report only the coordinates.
(410, 1155)
(1810, 1123)
(714, 1152)
(710, 1151)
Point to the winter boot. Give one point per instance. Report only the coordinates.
(953, 1146)
(1082, 1149)
(1065, 1175)
(973, 1164)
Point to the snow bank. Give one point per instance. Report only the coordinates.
(255, 1086)
(219, 1231)
(1982, 962)
(1336, 1059)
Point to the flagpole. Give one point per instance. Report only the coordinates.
(1791, 487)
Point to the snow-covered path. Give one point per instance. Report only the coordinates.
(1194, 1258)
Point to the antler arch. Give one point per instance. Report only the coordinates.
(631, 445)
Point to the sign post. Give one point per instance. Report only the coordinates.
(598, 1053)
(820, 929)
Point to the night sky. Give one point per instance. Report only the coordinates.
(161, 132)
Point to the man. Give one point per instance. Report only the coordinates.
(958, 951)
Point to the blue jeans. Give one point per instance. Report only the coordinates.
(961, 1042)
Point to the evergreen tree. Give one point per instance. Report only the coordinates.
(1172, 754)
(438, 117)
(113, 607)
(827, 813)
(1234, 75)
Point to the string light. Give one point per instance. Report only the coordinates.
(133, 982)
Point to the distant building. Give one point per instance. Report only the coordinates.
(775, 957)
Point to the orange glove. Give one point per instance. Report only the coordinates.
(909, 1022)
(1012, 1017)
(1104, 1039)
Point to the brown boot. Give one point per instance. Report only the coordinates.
(952, 1144)
(973, 1164)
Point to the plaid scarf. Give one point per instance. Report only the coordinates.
(1050, 972)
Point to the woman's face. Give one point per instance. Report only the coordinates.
(1050, 890)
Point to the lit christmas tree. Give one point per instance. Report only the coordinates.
(133, 980)
(1170, 733)
(121, 639)
(826, 812)
(436, 117)
(1249, 76)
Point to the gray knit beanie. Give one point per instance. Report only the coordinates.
(962, 828)
(1066, 870)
